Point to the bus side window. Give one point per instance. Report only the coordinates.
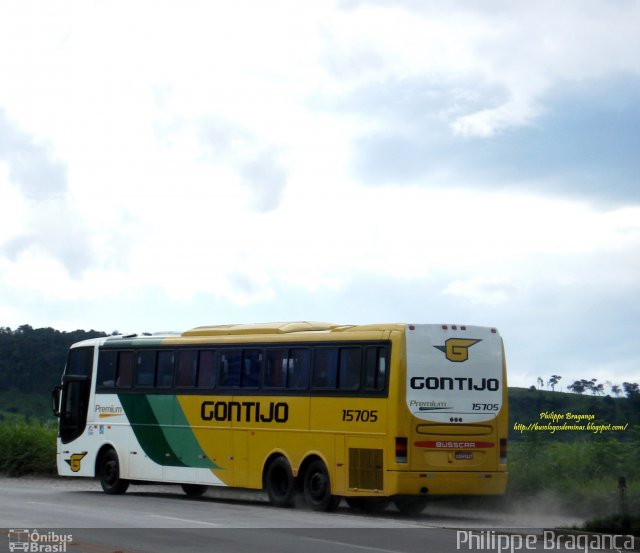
(146, 369)
(186, 375)
(251, 368)
(350, 365)
(275, 375)
(164, 372)
(207, 369)
(107, 368)
(299, 366)
(375, 368)
(126, 363)
(325, 368)
(230, 362)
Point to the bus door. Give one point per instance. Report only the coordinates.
(74, 393)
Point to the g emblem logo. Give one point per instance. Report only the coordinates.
(74, 461)
(457, 349)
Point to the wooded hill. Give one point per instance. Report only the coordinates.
(31, 363)
(530, 406)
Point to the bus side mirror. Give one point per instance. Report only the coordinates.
(55, 400)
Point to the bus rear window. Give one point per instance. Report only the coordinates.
(375, 376)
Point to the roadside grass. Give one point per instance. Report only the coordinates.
(580, 478)
(15, 403)
(27, 446)
(615, 524)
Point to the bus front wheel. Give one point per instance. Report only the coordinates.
(280, 483)
(109, 473)
(194, 490)
(317, 488)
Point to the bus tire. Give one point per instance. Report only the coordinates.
(317, 488)
(410, 506)
(194, 490)
(279, 483)
(369, 505)
(109, 473)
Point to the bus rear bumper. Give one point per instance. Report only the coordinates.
(447, 483)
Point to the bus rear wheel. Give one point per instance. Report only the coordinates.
(280, 483)
(367, 505)
(410, 506)
(194, 490)
(109, 473)
(317, 488)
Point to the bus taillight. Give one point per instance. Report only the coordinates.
(503, 451)
(401, 450)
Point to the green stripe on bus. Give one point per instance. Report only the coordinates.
(133, 343)
(147, 431)
(178, 432)
(163, 432)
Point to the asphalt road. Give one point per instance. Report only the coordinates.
(160, 518)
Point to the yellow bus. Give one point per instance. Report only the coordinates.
(369, 413)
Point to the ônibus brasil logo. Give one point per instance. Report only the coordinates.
(38, 542)
(457, 349)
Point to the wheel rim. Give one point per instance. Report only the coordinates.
(110, 474)
(317, 486)
(278, 482)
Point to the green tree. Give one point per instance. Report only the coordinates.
(578, 386)
(553, 381)
(32, 359)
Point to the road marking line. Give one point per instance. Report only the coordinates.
(44, 503)
(188, 520)
(366, 547)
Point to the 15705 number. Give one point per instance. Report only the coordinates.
(485, 406)
(359, 415)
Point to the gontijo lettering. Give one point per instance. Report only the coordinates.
(454, 383)
(247, 411)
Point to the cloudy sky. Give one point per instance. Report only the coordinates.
(165, 165)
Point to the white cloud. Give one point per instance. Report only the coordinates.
(524, 50)
(206, 151)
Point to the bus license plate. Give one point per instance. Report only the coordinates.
(464, 455)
